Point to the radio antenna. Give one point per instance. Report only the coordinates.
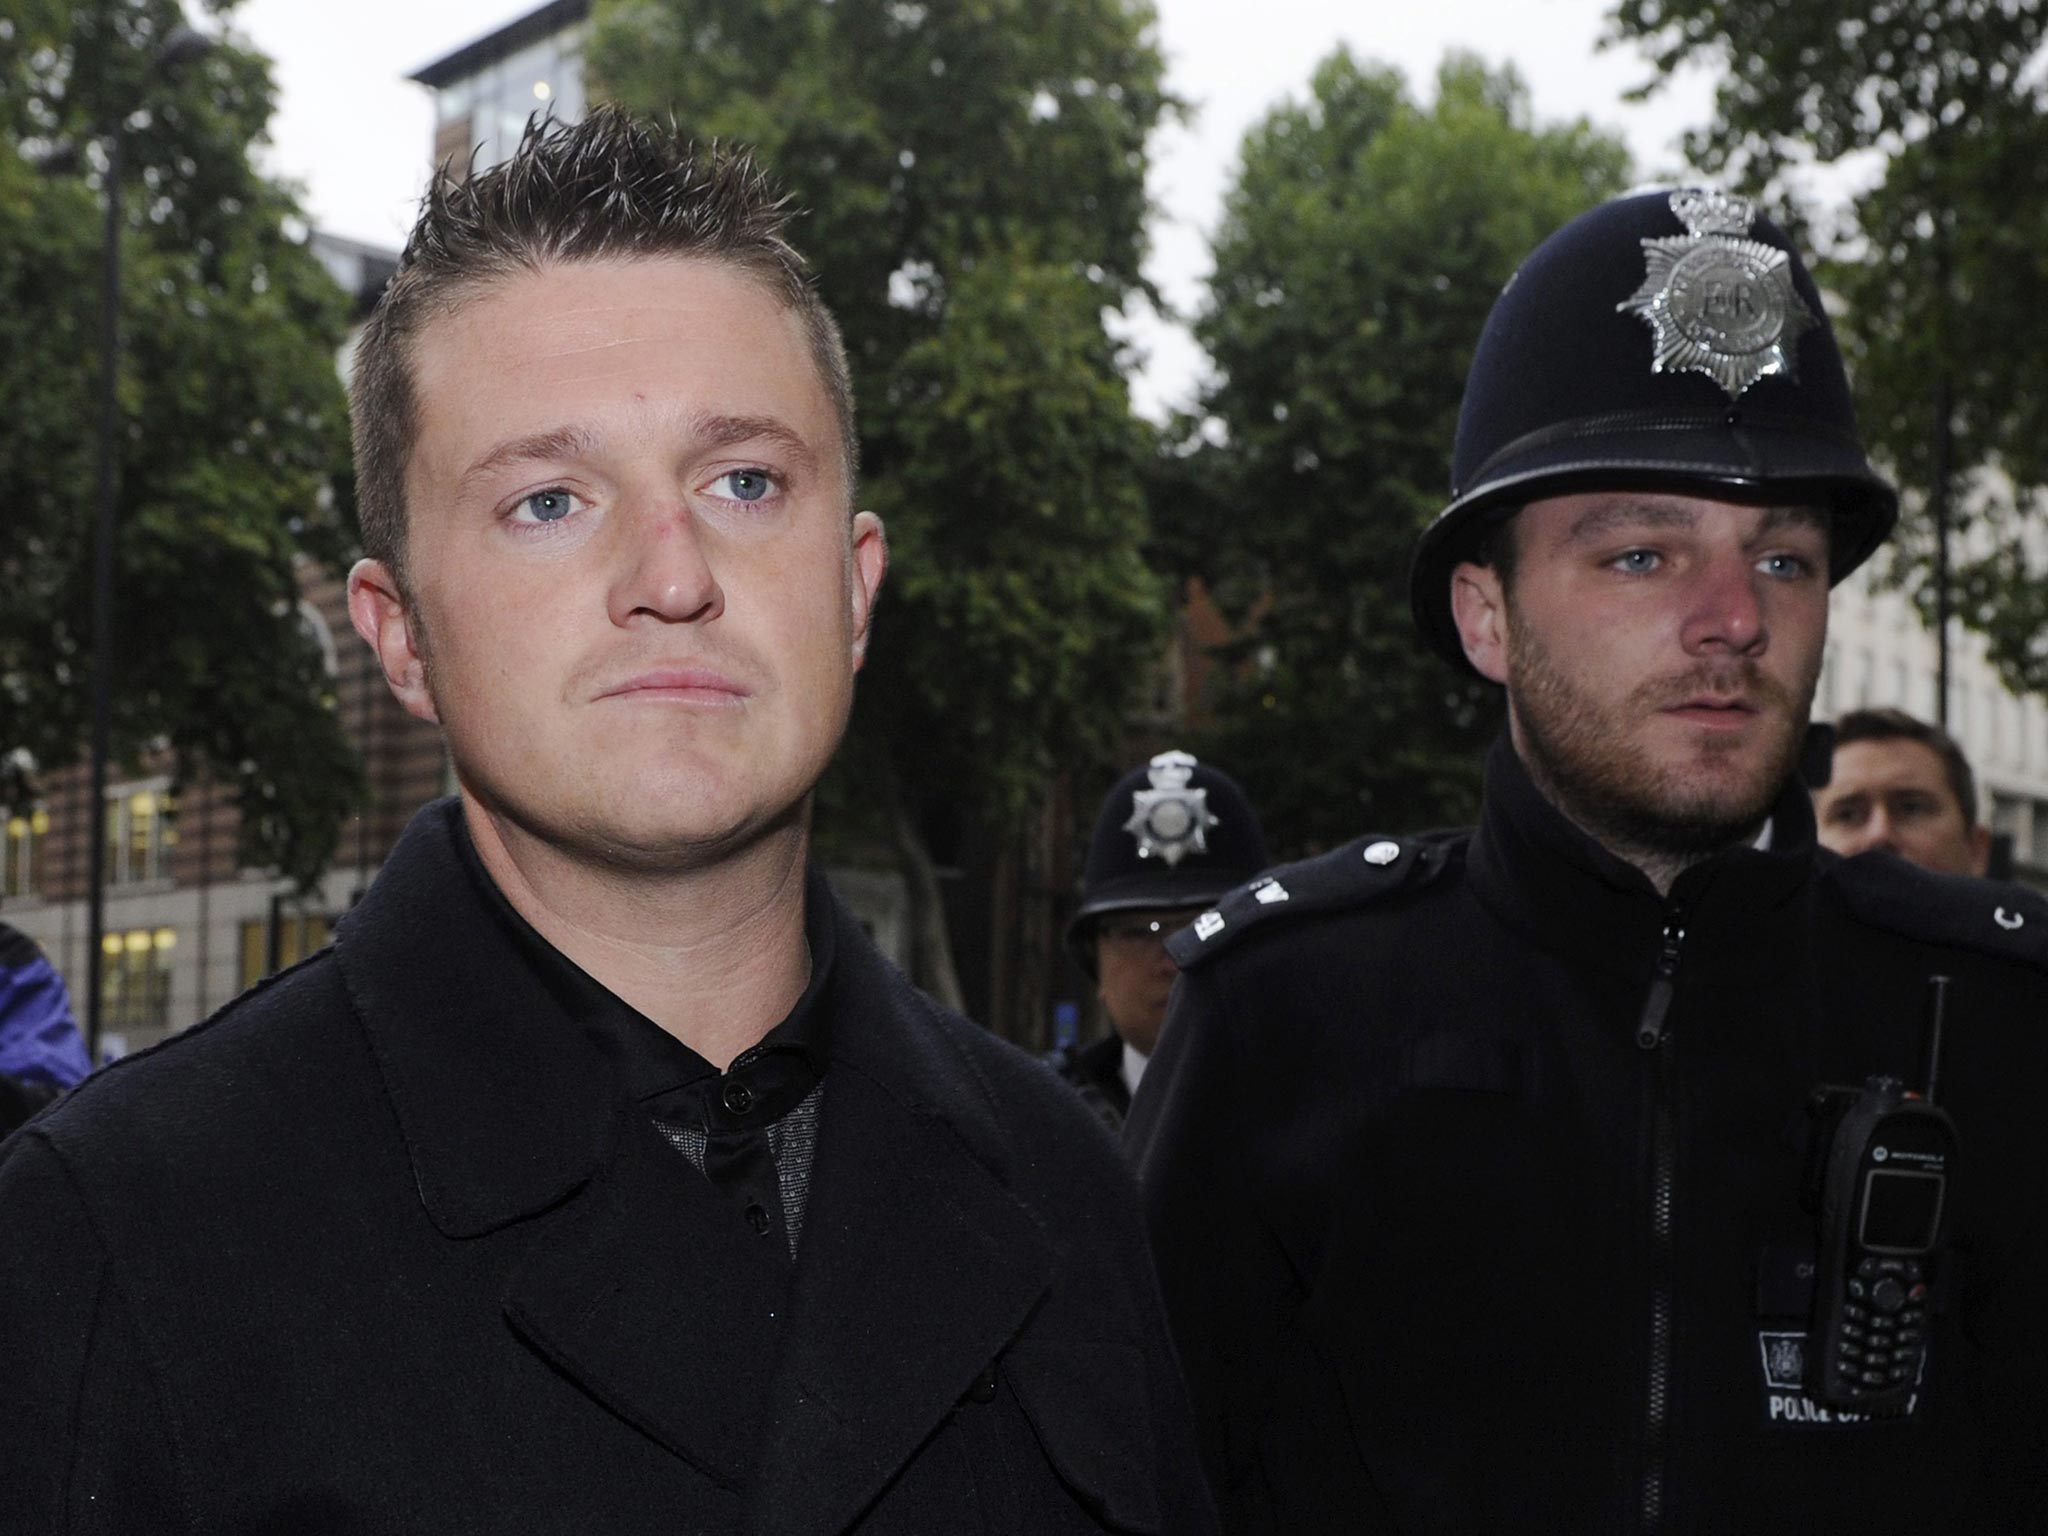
(1937, 1008)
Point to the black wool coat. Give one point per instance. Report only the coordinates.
(383, 1247)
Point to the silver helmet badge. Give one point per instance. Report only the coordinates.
(1170, 820)
(1718, 302)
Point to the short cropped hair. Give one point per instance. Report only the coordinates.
(609, 186)
(1897, 725)
(1497, 549)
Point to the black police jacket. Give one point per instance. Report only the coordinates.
(384, 1247)
(1468, 1223)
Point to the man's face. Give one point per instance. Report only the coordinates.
(637, 597)
(1134, 973)
(1894, 793)
(1659, 653)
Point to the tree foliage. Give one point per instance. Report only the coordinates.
(972, 180)
(234, 426)
(1941, 265)
(1362, 245)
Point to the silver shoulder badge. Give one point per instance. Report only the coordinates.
(1718, 302)
(1171, 819)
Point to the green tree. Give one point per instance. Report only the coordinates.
(1362, 244)
(1942, 264)
(972, 176)
(235, 426)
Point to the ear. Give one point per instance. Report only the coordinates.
(378, 610)
(1479, 608)
(1980, 850)
(870, 560)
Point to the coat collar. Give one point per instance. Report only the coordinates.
(506, 1108)
(918, 1264)
(1543, 876)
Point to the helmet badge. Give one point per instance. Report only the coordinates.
(1170, 820)
(1718, 302)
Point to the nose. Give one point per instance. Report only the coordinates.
(1726, 613)
(665, 570)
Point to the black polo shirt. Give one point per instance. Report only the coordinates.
(752, 1129)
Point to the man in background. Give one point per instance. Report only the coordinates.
(41, 1053)
(1904, 785)
(1171, 838)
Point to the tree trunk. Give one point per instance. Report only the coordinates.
(1004, 942)
(931, 949)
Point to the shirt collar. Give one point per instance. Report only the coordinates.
(648, 1060)
(1134, 1063)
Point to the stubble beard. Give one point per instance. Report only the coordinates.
(1587, 758)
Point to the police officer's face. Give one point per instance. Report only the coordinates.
(1134, 973)
(1660, 653)
(638, 595)
(1894, 793)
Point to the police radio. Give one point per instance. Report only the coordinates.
(1880, 1171)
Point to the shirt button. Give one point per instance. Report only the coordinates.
(757, 1218)
(737, 1097)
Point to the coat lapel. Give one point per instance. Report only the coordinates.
(648, 1292)
(917, 1264)
(505, 1107)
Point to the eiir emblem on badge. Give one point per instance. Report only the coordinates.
(1718, 302)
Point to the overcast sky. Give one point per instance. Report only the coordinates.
(356, 135)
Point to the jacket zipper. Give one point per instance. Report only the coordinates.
(1664, 1156)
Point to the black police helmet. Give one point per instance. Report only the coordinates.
(1609, 365)
(1174, 833)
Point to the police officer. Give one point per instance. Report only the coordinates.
(1476, 1166)
(1171, 838)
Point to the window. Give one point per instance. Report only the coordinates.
(17, 859)
(299, 934)
(135, 978)
(142, 828)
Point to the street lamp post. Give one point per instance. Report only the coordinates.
(180, 46)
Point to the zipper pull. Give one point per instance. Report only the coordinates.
(1650, 1027)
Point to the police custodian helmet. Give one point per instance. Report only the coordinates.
(1670, 341)
(1174, 833)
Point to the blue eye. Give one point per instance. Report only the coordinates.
(1784, 565)
(548, 506)
(1637, 562)
(746, 484)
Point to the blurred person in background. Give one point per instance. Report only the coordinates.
(41, 1051)
(1171, 838)
(1902, 784)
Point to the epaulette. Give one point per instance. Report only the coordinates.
(1991, 917)
(1363, 870)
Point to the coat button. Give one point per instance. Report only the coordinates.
(737, 1097)
(984, 1388)
(757, 1218)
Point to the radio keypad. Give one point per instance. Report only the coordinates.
(1880, 1341)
